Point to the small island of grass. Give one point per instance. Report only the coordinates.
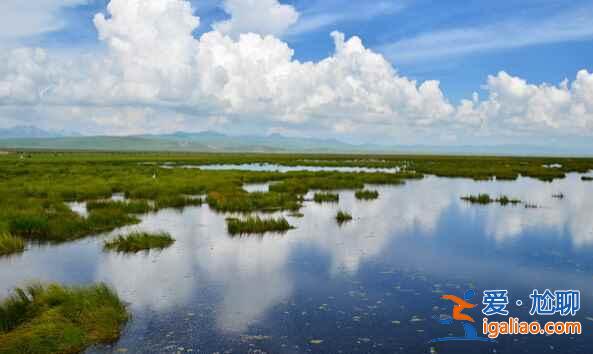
(366, 195)
(139, 241)
(326, 198)
(57, 319)
(10, 244)
(257, 225)
(343, 217)
(486, 199)
(587, 178)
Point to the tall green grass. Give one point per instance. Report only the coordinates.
(256, 225)
(486, 199)
(10, 244)
(343, 217)
(57, 319)
(139, 241)
(326, 198)
(366, 195)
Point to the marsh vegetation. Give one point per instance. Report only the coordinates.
(57, 319)
(10, 244)
(366, 194)
(326, 198)
(34, 191)
(139, 241)
(486, 199)
(343, 217)
(257, 225)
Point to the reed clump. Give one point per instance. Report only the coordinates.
(139, 241)
(10, 244)
(57, 319)
(257, 225)
(486, 199)
(326, 198)
(343, 217)
(366, 194)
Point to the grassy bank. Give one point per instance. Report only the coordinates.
(257, 225)
(139, 241)
(366, 195)
(57, 319)
(10, 244)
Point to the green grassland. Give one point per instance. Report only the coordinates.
(34, 186)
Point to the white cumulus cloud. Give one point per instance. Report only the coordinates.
(257, 16)
(153, 66)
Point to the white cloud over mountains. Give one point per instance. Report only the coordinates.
(242, 70)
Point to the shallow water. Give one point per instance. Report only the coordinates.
(372, 285)
(283, 169)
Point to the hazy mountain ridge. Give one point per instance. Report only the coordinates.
(28, 137)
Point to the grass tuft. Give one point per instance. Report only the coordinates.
(257, 225)
(587, 178)
(343, 217)
(366, 195)
(326, 198)
(56, 319)
(139, 241)
(486, 199)
(10, 244)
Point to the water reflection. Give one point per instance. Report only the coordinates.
(213, 292)
(283, 169)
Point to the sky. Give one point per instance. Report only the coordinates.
(459, 72)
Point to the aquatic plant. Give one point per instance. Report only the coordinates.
(366, 195)
(176, 201)
(326, 197)
(486, 199)
(57, 319)
(558, 196)
(139, 241)
(257, 225)
(10, 244)
(343, 217)
(131, 206)
(478, 199)
(587, 178)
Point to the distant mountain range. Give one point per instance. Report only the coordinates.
(32, 138)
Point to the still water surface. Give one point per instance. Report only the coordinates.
(372, 285)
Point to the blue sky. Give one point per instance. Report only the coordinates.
(405, 71)
(381, 23)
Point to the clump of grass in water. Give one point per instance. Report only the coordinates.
(257, 225)
(132, 206)
(326, 197)
(366, 195)
(558, 196)
(10, 244)
(343, 217)
(486, 199)
(587, 178)
(139, 241)
(178, 201)
(57, 319)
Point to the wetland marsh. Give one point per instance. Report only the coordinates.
(372, 284)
